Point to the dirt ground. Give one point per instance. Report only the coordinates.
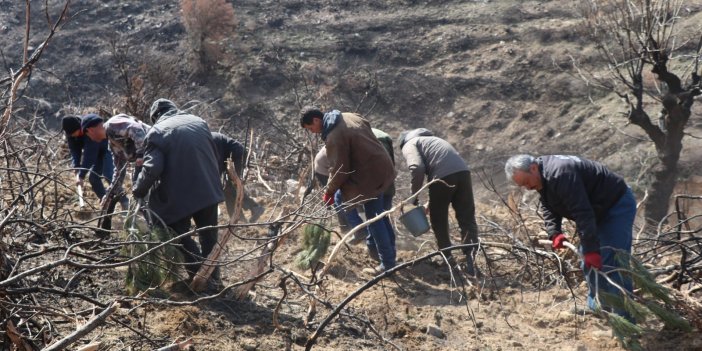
(516, 306)
(491, 77)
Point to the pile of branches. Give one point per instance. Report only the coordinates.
(55, 273)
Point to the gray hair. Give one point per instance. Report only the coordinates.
(518, 163)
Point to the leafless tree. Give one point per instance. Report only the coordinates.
(635, 38)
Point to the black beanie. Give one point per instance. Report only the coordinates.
(70, 124)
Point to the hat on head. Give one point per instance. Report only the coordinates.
(90, 120)
(160, 107)
(70, 124)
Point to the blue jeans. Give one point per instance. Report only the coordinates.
(614, 233)
(350, 218)
(382, 236)
(103, 167)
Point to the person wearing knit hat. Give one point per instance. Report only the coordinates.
(71, 125)
(87, 155)
(90, 120)
(126, 137)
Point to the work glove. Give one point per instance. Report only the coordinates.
(328, 199)
(557, 241)
(593, 259)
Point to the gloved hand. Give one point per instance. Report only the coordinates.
(593, 259)
(328, 199)
(79, 180)
(557, 241)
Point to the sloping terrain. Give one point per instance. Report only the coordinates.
(492, 77)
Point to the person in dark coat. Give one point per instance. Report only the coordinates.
(434, 158)
(180, 175)
(89, 158)
(596, 199)
(228, 148)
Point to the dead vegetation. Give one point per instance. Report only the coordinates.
(61, 287)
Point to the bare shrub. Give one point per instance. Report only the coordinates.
(210, 27)
(143, 77)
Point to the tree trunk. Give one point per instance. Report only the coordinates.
(665, 173)
(664, 176)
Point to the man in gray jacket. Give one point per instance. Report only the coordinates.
(437, 159)
(180, 167)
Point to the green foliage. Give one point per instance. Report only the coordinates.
(315, 241)
(653, 299)
(628, 333)
(642, 278)
(637, 311)
(671, 319)
(155, 268)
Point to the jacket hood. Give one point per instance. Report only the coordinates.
(411, 134)
(330, 120)
(161, 107)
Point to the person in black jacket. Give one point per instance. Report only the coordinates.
(89, 158)
(228, 148)
(596, 199)
(180, 169)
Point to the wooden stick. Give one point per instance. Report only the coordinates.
(84, 330)
(199, 282)
(177, 346)
(313, 303)
(363, 225)
(567, 244)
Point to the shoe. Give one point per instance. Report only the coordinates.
(377, 270)
(358, 238)
(439, 261)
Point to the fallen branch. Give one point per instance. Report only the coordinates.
(177, 346)
(313, 338)
(363, 225)
(84, 330)
(199, 282)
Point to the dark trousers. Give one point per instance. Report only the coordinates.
(208, 239)
(460, 196)
(103, 167)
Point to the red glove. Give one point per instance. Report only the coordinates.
(558, 240)
(328, 199)
(593, 259)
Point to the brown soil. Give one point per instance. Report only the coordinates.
(489, 76)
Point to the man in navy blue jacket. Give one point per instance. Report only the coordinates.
(596, 199)
(87, 155)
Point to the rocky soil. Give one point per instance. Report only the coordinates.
(492, 77)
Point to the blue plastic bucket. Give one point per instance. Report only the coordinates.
(415, 221)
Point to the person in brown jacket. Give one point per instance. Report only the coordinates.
(360, 167)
